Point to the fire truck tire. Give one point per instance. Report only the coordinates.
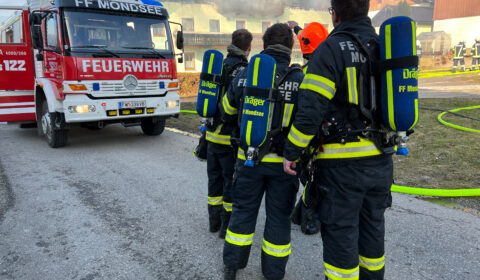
(151, 128)
(56, 138)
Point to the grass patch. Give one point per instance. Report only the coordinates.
(440, 156)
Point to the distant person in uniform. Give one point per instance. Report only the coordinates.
(459, 52)
(476, 54)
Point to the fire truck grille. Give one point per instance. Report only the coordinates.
(119, 88)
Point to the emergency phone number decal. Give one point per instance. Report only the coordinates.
(13, 65)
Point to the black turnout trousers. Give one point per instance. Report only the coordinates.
(353, 200)
(280, 190)
(220, 169)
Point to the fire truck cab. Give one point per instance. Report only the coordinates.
(88, 62)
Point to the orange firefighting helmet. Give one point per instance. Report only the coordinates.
(311, 37)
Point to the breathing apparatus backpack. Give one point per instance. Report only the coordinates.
(214, 81)
(261, 98)
(391, 115)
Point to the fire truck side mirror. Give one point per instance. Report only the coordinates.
(37, 40)
(35, 18)
(180, 59)
(180, 40)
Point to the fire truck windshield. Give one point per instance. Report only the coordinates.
(117, 33)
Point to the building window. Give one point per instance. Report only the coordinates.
(158, 30)
(265, 26)
(325, 25)
(214, 25)
(241, 24)
(189, 61)
(188, 24)
(306, 24)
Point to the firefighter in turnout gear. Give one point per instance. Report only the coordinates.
(305, 214)
(220, 153)
(459, 52)
(267, 176)
(476, 55)
(352, 175)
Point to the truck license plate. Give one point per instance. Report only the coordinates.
(132, 104)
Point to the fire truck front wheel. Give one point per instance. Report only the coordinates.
(152, 127)
(55, 137)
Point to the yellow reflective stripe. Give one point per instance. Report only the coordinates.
(218, 138)
(388, 55)
(319, 84)
(416, 114)
(255, 71)
(364, 148)
(205, 107)
(414, 38)
(287, 114)
(210, 65)
(336, 273)
(217, 200)
(227, 206)
(239, 239)
(276, 250)
(298, 138)
(249, 132)
(304, 193)
(391, 115)
(305, 69)
(272, 158)
(372, 264)
(269, 158)
(388, 42)
(352, 85)
(229, 109)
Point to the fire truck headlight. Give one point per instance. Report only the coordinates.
(82, 109)
(172, 103)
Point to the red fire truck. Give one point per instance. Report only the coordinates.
(88, 62)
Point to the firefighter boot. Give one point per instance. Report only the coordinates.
(310, 221)
(229, 273)
(454, 69)
(214, 218)
(225, 220)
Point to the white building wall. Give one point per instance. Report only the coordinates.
(461, 29)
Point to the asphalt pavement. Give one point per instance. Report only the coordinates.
(115, 204)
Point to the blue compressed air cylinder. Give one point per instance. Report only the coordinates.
(256, 108)
(208, 92)
(400, 85)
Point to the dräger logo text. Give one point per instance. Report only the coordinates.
(125, 66)
(254, 101)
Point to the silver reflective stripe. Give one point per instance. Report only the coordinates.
(215, 200)
(319, 84)
(238, 239)
(370, 264)
(298, 138)
(278, 251)
(227, 206)
(341, 275)
(352, 85)
(350, 150)
(287, 114)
